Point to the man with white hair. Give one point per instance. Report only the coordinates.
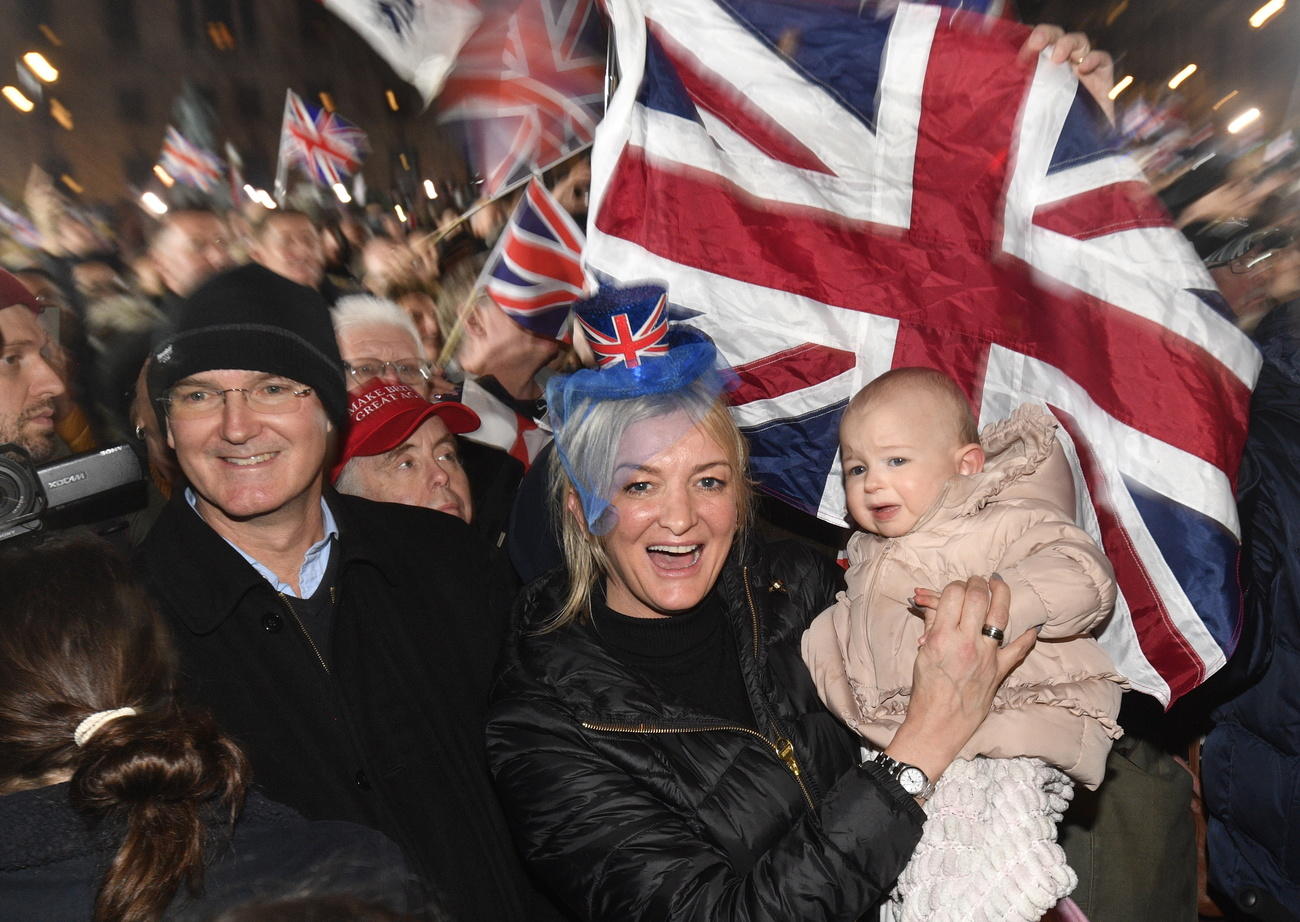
(378, 340)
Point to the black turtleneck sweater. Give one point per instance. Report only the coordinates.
(691, 655)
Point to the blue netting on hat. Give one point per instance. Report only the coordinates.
(596, 414)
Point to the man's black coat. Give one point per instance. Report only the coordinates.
(388, 730)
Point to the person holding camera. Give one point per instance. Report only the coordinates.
(29, 377)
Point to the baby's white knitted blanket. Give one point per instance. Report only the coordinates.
(988, 851)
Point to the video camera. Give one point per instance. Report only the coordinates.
(84, 489)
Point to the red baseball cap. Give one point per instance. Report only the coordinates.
(14, 292)
(382, 416)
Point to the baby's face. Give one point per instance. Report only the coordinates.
(897, 455)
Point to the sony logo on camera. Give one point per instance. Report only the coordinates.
(79, 490)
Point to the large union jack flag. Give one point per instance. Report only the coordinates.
(327, 147)
(188, 163)
(528, 86)
(831, 194)
(535, 274)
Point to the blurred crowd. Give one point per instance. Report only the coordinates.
(1236, 200)
(116, 279)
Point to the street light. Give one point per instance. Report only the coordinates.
(1120, 87)
(342, 192)
(1181, 76)
(1249, 117)
(1219, 105)
(151, 201)
(401, 215)
(1266, 12)
(429, 189)
(17, 99)
(163, 176)
(59, 112)
(42, 68)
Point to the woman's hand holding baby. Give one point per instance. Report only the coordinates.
(958, 670)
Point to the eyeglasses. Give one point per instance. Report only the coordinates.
(1244, 265)
(271, 397)
(415, 372)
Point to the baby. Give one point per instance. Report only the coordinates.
(936, 501)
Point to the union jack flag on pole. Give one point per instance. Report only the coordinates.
(830, 193)
(327, 147)
(528, 86)
(189, 164)
(535, 274)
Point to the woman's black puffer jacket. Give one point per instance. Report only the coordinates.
(627, 805)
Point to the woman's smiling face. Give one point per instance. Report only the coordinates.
(677, 514)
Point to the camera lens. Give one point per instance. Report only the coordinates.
(20, 491)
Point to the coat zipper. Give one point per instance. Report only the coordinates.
(785, 746)
(303, 630)
(782, 748)
(877, 566)
(753, 612)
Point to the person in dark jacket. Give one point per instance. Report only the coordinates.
(1251, 759)
(347, 644)
(117, 803)
(657, 743)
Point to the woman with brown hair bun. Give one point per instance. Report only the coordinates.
(117, 802)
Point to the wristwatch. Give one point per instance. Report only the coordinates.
(910, 778)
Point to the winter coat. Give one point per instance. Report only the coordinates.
(1251, 759)
(631, 805)
(52, 862)
(1060, 705)
(381, 726)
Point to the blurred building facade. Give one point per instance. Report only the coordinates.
(122, 64)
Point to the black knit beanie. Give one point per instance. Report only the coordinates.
(252, 319)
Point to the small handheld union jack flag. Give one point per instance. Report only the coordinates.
(626, 325)
(188, 163)
(328, 147)
(536, 274)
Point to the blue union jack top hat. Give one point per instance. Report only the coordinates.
(637, 350)
(639, 354)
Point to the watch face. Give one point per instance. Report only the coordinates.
(912, 779)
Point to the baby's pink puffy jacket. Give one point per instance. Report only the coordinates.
(1060, 705)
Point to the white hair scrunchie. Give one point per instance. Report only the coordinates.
(90, 726)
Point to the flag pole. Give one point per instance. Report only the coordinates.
(281, 162)
(488, 265)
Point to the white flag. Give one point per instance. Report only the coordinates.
(418, 38)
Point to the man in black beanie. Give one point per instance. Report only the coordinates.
(348, 645)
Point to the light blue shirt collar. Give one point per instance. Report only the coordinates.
(314, 563)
